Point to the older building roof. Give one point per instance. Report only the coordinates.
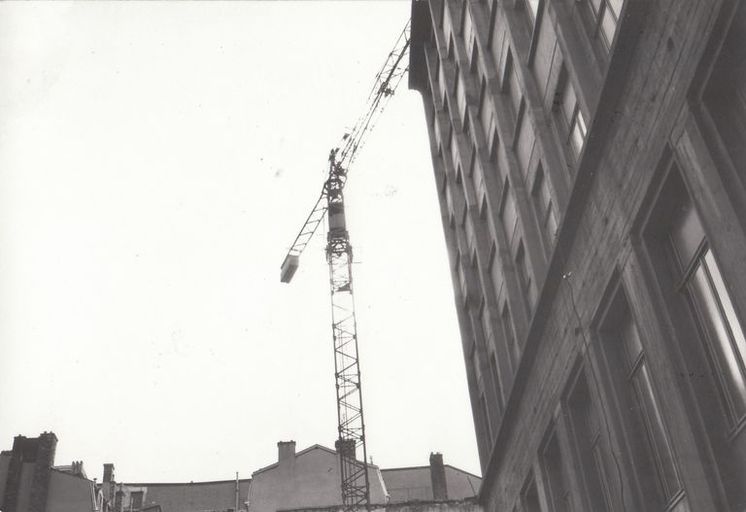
(415, 484)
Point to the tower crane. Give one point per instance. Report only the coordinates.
(330, 203)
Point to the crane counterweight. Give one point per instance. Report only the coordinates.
(289, 266)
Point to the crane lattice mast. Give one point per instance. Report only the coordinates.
(351, 424)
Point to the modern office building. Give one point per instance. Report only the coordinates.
(590, 161)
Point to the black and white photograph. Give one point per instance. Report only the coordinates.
(373, 256)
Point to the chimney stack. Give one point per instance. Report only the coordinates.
(285, 452)
(438, 477)
(108, 473)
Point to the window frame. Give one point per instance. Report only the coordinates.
(645, 468)
(569, 123)
(595, 19)
(545, 201)
(712, 347)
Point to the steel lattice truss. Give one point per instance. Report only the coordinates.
(351, 425)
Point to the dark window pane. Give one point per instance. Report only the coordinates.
(531, 499)
(485, 417)
(510, 337)
(656, 432)
(137, 499)
(496, 378)
(590, 444)
(596, 4)
(559, 496)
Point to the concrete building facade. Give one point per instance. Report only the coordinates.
(590, 162)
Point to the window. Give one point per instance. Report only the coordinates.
(525, 139)
(495, 273)
(653, 455)
(523, 274)
(473, 56)
(508, 329)
(544, 206)
(442, 85)
(605, 17)
(577, 131)
(595, 464)
(485, 417)
(558, 493)
(725, 96)
(721, 331)
(496, 378)
(566, 102)
(475, 364)
(494, 142)
(508, 213)
(477, 177)
(136, 500)
(460, 93)
(532, 8)
(462, 277)
(469, 38)
(708, 327)
(530, 498)
(486, 115)
(512, 86)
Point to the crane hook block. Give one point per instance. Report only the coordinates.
(289, 266)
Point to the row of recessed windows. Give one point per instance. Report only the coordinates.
(574, 125)
(600, 16)
(476, 172)
(618, 431)
(705, 295)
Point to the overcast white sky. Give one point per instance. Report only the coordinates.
(156, 160)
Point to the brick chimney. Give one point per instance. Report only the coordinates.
(346, 447)
(286, 453)
(77, 468)
(38, 451)
(108, 473)
(438, 477)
